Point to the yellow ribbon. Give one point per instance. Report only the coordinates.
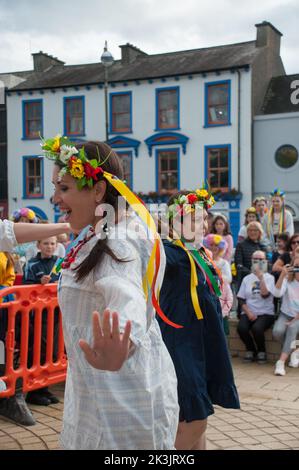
(193, 281)
(146, 217)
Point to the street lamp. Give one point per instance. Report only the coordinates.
(107, 60)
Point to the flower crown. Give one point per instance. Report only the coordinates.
(184, 204)
(73, 161)
(278, 192)
(24, 212)
(214, 238)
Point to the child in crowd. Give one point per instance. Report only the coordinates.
(220, 226)
(278, 219)
(38, 270)
(260, 204)
(218, 246)
(286, 327)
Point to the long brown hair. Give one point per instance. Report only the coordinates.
(100, 151)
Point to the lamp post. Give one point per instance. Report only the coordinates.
(107, 60)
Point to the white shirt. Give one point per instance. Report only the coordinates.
(289, 292)
(137, 406)
(7, 236)
(250, 291)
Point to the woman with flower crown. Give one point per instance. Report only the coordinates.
(278, 220)
(121, 388)
(189, 295)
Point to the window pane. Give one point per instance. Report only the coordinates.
(173, 162)
(168, 174)
(224, 158)
(218, 94)
(224, 179)
(122, 121)
(30, 167)
(168, 108)
(74, 113)
(218, 103)
(213, 179)
(121, 104)
(33, 119)
(213, 159)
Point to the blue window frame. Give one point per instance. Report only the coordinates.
(168, 108)
(74, 115)
(33, 177)
(127, 163)
(167, 170)
(218, 167)
(218, 103)
(120, 112)
(32, 112)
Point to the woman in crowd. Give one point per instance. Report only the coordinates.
(286, 327)
(287, 255)
(278, 219)
(260, 205)
(250, 216)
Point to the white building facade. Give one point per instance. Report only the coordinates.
(174, 129)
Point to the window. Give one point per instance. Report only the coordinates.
(33, 177)
(167, 108)
(217, 100)
(286, 156)
(168, 170)
(74, 116)
(32, 119)
(218, 168)
(126, 159)
(121, 112)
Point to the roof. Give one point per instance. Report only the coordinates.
(145, 67)
(278, 96)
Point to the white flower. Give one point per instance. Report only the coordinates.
(66, 152)
(183, 199)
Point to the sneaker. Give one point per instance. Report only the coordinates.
(261, 357)
(279, 368)
(294, 359)
(248, 357)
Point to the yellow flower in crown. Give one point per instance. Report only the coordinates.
(56, 144)
(202, 193)
(76, 167)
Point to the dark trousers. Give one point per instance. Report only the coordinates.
(252, 333)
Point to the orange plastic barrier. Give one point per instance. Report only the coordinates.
(25, 316)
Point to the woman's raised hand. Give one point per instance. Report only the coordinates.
(110, 348)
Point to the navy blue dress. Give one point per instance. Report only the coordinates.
(199, 350)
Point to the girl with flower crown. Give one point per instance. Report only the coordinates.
(121, 384)
(197, 345)
(278, 220)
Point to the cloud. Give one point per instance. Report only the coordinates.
(75, 31)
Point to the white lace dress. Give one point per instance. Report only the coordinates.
(136, 407)
(7, 236)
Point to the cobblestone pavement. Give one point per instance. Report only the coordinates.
(269, 418)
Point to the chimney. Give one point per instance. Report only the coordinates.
(268, 35)
(129, 53)
(43, 61)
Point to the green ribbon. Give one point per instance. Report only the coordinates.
(204, 265)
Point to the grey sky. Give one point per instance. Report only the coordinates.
(75, 30)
